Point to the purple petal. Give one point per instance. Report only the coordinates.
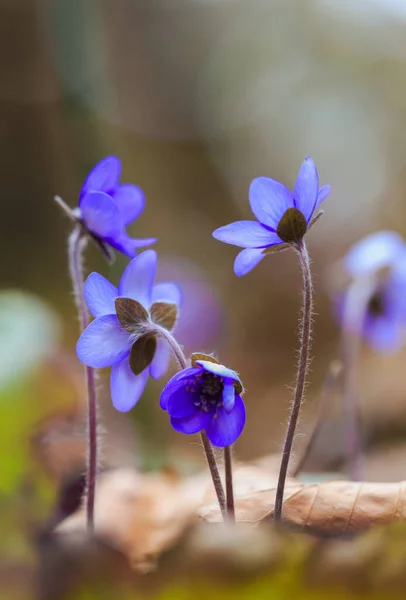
(101, 215)
(100, 295)
(174, 383)
(130, 201)
(126, 388)
(167, 292)
(138, 278)
(306, 188)
(196, 422)
(373, 252)
(246, 234)
(103, 177)
(217, 369)
(161, 360)
(323, 193)
(269, 200)
(247, 260)
(227, 427)
(103, 343)
(384, 335)
(127, 245)
(228, 395)
(181, 403)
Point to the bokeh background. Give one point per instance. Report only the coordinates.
(197, 97)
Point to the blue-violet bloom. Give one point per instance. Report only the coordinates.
(107, 206)
(381, 259)
(283, 217)
(125, 332)
(206, 396)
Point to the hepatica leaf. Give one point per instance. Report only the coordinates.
(28, 331)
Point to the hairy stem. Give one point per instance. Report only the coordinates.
(305, 339)
(208, 449)
(355, 307)
(77, 243)
(228, 467)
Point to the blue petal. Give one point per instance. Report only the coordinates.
(219, 370)
(100, 295)
(246, 234)
(228, 395)
(130, 201)
(103, 343)
(247, 260)
(101, 215)
(161, 360)
(196, 422)
(174, 383)
(269, 200)
(323, 193)
(374, 252)
(126, 388)
(103, 177)
(167, 292)
(127, 245)
(181, 403)
(383, 334)
(306, 188)
(227, 427)
(138, 278)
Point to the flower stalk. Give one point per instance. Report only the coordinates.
(305, 341)
(76, 246)
(228, 467)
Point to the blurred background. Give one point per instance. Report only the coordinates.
(197, 97)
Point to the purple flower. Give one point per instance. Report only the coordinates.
(283, 217)
(379, 260)
(106, 207)
(206, 397)
(124, 332)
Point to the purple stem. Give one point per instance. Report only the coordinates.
(77, 243)
(305, 328)
(208, 449)
(228, 467)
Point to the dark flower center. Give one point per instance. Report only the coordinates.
(292, 226)
(376, 304)
(208, 389)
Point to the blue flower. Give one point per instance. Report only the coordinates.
(381, 259)
(123, 334)
(106, 207)
(283, 217)
(206, 397)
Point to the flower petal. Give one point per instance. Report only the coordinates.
(306, 188)
(374, 252)
(246, 234)
(269, 200)
(161, 361)
(103, 177)
(130, 201)
(174, 383)
(100, 295)
(126, 388)
(167, 292)
(218, 369)
(127, 245)
(247, 260)
(323, 193)
(384, 335)
(101, 215)
(228, 395)
(103, 343)
(227, 427)
(192, 424)
(181, 403)
(138, 278)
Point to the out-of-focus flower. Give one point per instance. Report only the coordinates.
(206, 396)
(106, 207)
(379, 262)
(124, 332)
(283, 217)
